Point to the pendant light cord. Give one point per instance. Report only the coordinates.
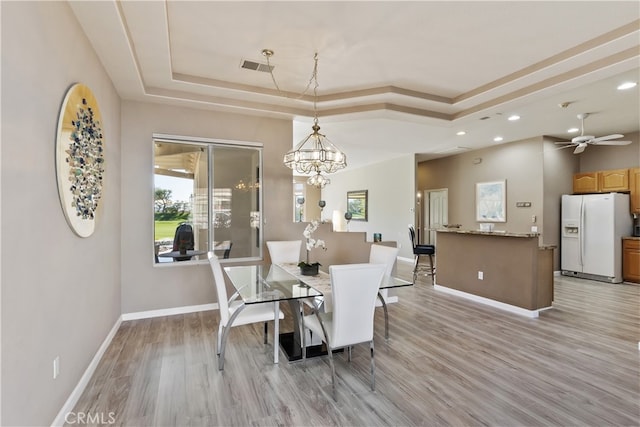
(267, 53)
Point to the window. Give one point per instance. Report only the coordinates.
(305, 200)
(298, 202)
(211, 190)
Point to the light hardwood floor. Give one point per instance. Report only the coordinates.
(448, 361)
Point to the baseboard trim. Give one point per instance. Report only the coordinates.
(493, 303)
(169, 311)
(86, 377)
(88, 373)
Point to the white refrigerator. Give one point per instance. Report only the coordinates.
(592, 229)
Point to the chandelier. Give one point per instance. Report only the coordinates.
(318, 180)
(247, 186)
(315, 154)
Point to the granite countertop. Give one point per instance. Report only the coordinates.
(631, 238)
(488, 233)
(500, 233)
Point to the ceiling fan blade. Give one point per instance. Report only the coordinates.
(559, 148)
(611, 142)
(568, 143)
(607, 137)
(580, 148)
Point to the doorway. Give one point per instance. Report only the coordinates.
(436, 215)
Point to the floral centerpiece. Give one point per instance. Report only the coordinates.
(306, 268)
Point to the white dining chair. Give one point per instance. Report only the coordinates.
(378, 254)
(284, 251)
(387, 255)
(288, 252)
(235, 312)
(354, 288)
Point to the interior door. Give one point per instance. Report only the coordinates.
(437, 214)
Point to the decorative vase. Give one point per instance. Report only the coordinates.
(183, 251)
(309, 269)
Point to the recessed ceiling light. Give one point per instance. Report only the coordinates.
(497, 139)
(460, 133)
(513, 118)
(573, 130)
(627, 85)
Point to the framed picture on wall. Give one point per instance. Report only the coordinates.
(357, 205)
(491, 201)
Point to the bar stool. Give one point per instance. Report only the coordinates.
(419, 250)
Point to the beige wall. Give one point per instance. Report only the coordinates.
(391, 199)
(146, 286)
(519, 163)
(341, 248)
(312, 195)
(536, 170)
(60, 293)
(559, 167)
(611, 157)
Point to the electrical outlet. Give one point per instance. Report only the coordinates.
(56, 367)
(534, 228)
(480, 275)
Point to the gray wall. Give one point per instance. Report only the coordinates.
(60, 293)
(149, 286)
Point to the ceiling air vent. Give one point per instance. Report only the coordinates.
(256, 66)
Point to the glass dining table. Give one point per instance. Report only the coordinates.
(272, 283)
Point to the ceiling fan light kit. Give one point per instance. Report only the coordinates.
(582, 141)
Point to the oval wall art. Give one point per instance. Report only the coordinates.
(80, 159)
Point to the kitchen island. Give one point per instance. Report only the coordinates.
(507, 270)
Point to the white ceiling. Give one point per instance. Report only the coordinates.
(394, 77)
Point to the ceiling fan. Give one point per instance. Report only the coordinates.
(581, 142)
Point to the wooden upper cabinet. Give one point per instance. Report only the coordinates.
(585, 182)
(613, 180)
(634, 186)
(608, 181)
(621, 180)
